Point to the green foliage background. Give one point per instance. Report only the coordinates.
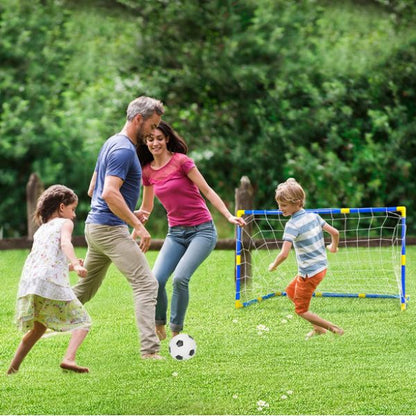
(323, 91)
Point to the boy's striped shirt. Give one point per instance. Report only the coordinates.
(304, 231)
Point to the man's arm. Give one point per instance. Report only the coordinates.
(115, 201)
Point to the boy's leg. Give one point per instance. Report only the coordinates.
(291, 289)
(68, 362)
(320, 325)
(304, 292)
(28, 341)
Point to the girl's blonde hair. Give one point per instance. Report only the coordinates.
(50, 200)
(290, 192)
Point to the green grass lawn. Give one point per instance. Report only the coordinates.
(238, 369)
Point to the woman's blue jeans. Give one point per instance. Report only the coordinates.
(183, 250)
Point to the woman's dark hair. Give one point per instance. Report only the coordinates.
(175, 144)
(50, 200)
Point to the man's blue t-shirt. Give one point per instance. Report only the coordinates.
(117, 157)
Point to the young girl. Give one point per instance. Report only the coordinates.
(304, 231)
(173, 177)
(45, 298)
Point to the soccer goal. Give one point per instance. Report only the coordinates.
(370, 263)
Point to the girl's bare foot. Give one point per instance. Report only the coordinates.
(161, 332)
(11, 370)
(72, 366)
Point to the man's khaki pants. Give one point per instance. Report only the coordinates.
(113, 244)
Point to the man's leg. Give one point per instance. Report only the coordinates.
(129, 259)
(96, 262)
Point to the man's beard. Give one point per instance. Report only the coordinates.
(140, 136)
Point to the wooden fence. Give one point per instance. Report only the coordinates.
(243, 200)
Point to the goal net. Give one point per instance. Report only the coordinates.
(370, 262)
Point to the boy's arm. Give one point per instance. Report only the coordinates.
(282, 256)
(333, 247)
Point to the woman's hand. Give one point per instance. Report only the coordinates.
(237, 220)
(142, 215)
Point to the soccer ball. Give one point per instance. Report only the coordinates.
(182, 347)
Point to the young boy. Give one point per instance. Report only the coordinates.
(304, 231)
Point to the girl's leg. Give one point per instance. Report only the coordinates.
(201, 241)
(68, 363)
(28, 341)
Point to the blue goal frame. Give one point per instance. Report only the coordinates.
(401, 296)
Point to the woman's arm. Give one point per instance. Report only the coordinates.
(146, 208)
(92, 184)
(196, 177)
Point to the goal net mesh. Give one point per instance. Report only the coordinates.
(370, 261)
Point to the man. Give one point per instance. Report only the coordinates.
(115, 190)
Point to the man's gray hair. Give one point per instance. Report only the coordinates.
(146, 106)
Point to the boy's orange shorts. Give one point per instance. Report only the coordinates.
(300, 290)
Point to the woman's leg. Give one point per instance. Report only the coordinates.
(28, 341)
(170, 254)
(68, 363)
(201, 242)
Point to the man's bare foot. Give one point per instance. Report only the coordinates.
(72, 366)
(161, 332)
(153, 356)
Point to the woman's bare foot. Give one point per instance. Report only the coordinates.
(72, 366)
(161, 332)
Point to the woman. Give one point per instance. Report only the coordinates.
(173, 177)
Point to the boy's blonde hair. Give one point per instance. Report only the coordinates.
(290, 192)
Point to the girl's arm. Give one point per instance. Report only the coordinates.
(146, 207)
(68, 248)
(333, 247)
(196, 177)
(282, 256)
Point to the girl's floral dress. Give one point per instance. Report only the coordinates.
(45, 294)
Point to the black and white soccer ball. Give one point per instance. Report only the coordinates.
(182, 347)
